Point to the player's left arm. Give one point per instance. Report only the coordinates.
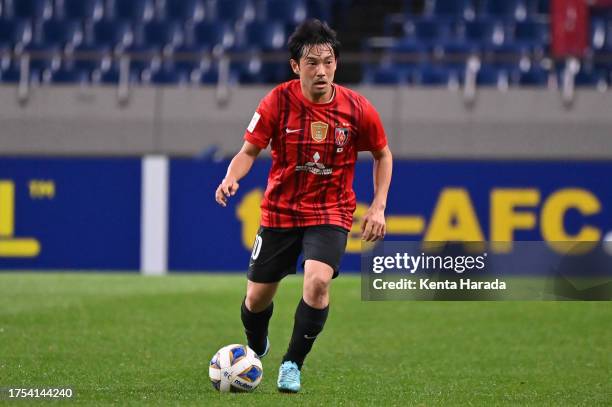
(374, 227)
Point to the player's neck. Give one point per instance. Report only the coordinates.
(325, 98)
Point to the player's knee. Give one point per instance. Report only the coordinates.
(316, 289)
(256, 301)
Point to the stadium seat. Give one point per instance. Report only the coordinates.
(455, 54)
(43, 57)
(232, 11)
(533, 77)
(144, 60)
(408, 54)
(14, 34)
(509, 56)
(531, 33)
(211, 76)
(275, 72)
(135, 11)
(290, 12)
(451, 8)
(189, 11)
(483, 32)
(208, 34)
(538, 8)
(163, 35)
(13, 74)
(386, 75)
(263, 35)
(69, 75)
(86, 10)
(114, 34)
(504, 9)
(432, 75)
(590, 78)
(112, 76)
(427, 31)
(63, 33)
(169, 76)
(29, 9)
(320, 9)
(598, 33)
(490, 76)
(90, 58)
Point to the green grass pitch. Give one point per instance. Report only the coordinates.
(134, 340)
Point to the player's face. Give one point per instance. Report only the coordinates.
(316, 69)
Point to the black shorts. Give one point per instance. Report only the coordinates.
(276, 250)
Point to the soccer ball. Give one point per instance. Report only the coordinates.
(235, 368)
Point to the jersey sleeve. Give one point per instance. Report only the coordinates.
(372, 135)
(261, 127)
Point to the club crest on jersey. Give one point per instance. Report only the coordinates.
(341, 136)
(318, 131)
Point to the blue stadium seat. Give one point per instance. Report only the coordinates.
(91, 58)
(533, 77)
(232, 10)
(408, 54)
(275, 72)
(451, 8)
(5, 56)
(208, 34)
(163, 35)
(10, 75)
(538, 8)
(263, 35)
(291, 12)
(190, 11)
(30, 9)
(590, 78)
(532, 33)
(504, 9)
(136, 11)
(427, 31)
(211, 76)
(169, 76)
(432, 75)
(483, 32)
(87, 10)
(69, 76)
(43, 57)
(14, 34)
(507, 56)
(112, 76)
(63, 33)
(490, 76)
(598, 33)
(455, 54)
(320, 9)
(386, 75)
(115, 34)
(144, 59)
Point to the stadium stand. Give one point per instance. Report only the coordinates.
(426, 42)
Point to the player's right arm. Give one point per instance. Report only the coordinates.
(256, 138)
(239, 167)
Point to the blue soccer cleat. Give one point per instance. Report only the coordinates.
(288, 378)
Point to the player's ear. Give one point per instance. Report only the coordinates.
(295, 67)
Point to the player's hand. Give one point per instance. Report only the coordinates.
(227, 188)
(373, 227)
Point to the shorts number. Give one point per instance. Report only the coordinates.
(256, 247)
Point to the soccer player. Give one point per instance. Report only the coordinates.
(315, 129)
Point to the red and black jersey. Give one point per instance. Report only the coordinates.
(314, 149)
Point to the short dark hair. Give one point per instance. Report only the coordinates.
(312, 32)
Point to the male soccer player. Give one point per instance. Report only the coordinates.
(315, 129)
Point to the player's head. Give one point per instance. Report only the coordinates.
(314, 51)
